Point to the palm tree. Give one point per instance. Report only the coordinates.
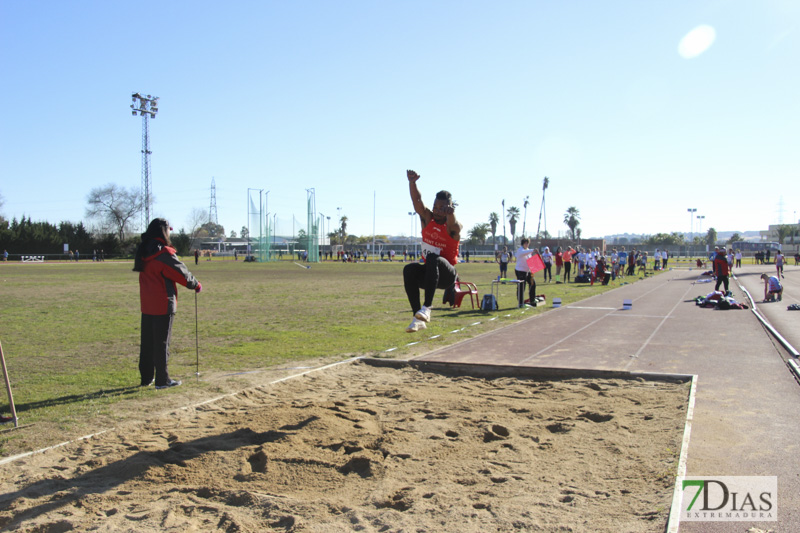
(711, 237)
(545, 184)
(525, 216)
(572, 219)
(493, 220)
(513, 216)
(784, 230)
(478, 233)
(343, 227)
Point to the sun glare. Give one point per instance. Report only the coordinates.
(697, 41)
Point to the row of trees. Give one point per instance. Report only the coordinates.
(479, 234)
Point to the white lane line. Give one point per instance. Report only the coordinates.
(655, 330)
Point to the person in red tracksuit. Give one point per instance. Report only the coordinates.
(721, 269)
(159, 270)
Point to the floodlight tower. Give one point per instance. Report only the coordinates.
(212, 208)
(692, 211)
(147, 107)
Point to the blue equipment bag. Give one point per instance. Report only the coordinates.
(489, 303)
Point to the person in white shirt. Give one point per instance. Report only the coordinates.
(523, 272)
(547, 257)
(738, 257)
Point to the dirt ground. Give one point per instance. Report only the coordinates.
(363, 448)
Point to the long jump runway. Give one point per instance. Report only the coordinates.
(746, 413)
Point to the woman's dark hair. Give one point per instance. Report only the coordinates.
(157, 229)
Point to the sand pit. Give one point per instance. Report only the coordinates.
(363, 448)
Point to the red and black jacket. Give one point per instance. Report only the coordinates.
(720, 265)
(162, 269)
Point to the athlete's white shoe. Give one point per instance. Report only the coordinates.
(423, 314)
(415, 325)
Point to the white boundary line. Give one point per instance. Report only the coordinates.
(185, 408)
(677, 496)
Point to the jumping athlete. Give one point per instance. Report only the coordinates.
(441, 233)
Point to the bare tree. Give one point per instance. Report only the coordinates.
(115, 207)
(197, 217)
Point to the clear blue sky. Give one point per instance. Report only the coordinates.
(481, 98)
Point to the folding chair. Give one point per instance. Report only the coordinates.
(462, 288)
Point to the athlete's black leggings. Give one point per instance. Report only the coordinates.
(528, 279)
(435, 273)
(567, 267)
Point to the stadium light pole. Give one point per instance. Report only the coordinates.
(323, 227)
(413, 231)
(147, 107)
(339, 220)
(692, 211)
(700, 224)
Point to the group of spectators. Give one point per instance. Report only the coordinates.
(592, 263)
(97, 255)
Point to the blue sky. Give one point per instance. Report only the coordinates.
(483, 99)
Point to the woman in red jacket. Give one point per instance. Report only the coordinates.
(159, 269)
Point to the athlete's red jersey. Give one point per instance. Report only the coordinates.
(436, 239)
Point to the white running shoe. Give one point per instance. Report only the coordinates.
(423, 314)
(415, 325)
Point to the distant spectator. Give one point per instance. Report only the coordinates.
(502, 258)
(779, 260)
(547, 257)
(567, 258)
(5, 255)
(559, 264)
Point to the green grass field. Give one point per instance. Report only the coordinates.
(70, 332)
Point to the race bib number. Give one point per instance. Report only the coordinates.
(430, 249)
